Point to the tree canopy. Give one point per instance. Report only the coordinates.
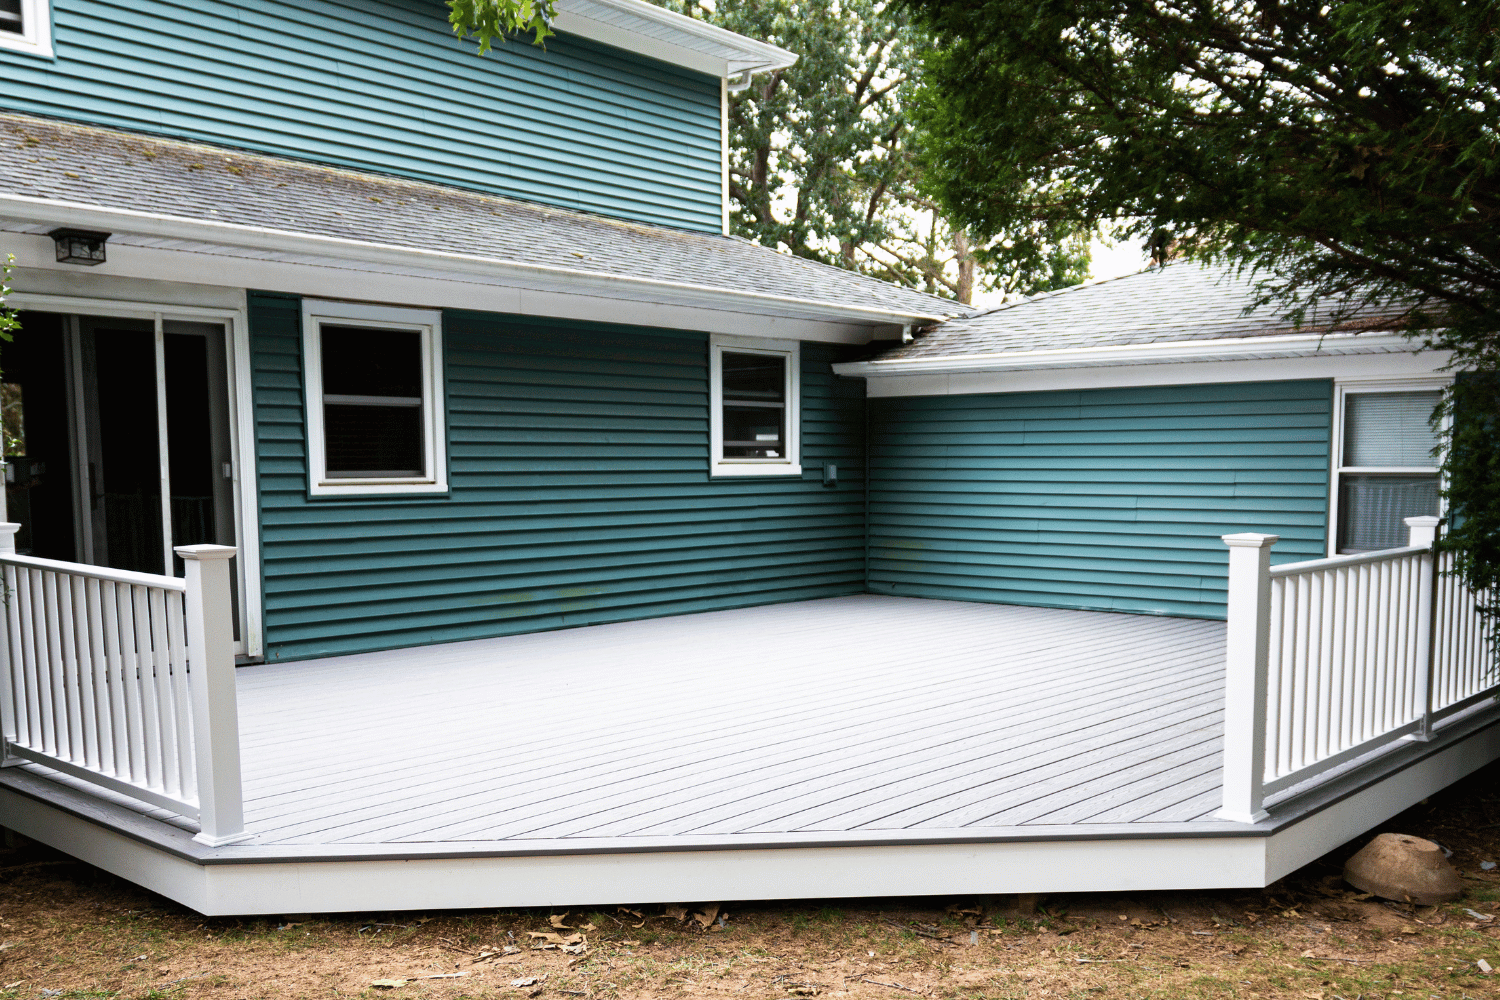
(1341, 151)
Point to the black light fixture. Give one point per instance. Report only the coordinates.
(79, 246)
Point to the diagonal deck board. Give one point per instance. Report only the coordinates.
(858, 713)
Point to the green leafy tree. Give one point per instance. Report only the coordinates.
(9, 320)
(1347, 154)
(488, 20)
(821, 163)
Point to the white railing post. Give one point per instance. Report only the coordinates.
(216, 727)
(1247, 651)
(1423, 531)
(8, 707)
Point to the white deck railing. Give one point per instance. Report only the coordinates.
(125, 680)
(1333, 659)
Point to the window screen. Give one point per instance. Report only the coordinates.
(1372, 509)
(372, 403)
(754, 405)
(1389, 429)
(10, 17)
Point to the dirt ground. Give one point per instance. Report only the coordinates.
(70, 930)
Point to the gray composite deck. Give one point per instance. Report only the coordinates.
(851, 715)
(862, 713)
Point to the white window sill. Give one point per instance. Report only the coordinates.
(41, 48)
(348, 488)
(722, 469)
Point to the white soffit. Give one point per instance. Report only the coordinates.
(645, 28)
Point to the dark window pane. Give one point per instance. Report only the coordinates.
(367, 362)
(1372, 509)
(759, 377)
(753, 432)
(366, 442)
(10, 16)
(754, 405)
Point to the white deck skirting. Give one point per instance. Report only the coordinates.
(862, 745)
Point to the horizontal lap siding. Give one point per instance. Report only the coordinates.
(1110, 499)
(384, 85)
(578, 459)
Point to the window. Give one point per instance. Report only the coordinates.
(1386, 471)
(754, 401)
(26, 26)
(374, 399)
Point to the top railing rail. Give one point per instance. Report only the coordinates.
(125, 576)
(1344, 562)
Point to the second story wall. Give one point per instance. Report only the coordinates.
(384, 85)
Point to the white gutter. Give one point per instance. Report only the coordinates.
(639, 26)
(123, 221)
(1226, 349)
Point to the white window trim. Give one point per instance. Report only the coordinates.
(315, 314)
(718, 465)
(1342, 389)
(36, 35)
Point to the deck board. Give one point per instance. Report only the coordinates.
(857, 713)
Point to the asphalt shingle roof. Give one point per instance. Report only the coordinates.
(1182, 301)
(44, 158)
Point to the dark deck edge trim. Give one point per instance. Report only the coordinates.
(179, 843)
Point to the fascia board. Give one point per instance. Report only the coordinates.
(1229, 349)
(42, 211)
(673, 38)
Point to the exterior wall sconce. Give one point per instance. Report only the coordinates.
(79, 246)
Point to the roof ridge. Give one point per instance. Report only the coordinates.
(1049, 293)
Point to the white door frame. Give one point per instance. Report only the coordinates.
(242, 426)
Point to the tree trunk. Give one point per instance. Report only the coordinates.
(964, 255)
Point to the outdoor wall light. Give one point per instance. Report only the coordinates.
(79, 246)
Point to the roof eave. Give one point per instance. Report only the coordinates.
(43, 211)
(653, 31)
(1170, 352)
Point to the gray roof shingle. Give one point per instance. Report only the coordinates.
(82, 164)
(1182, 301)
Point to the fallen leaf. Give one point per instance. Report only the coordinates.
(528, 981)
(388, 984)
(444, 975)
(587, 927)
(1484, 967)
(678, 913)
(574, 949)
(707, 915)
(555, 938)
(559, 922)
(631, 944)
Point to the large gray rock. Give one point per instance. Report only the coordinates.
(1405, 868)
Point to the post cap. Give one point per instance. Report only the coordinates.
(203, 552)
(1422, 521)
(1250, 540)
(9, 527)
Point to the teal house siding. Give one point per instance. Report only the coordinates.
(1109, 499)
(384, 85)
(578, 458)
